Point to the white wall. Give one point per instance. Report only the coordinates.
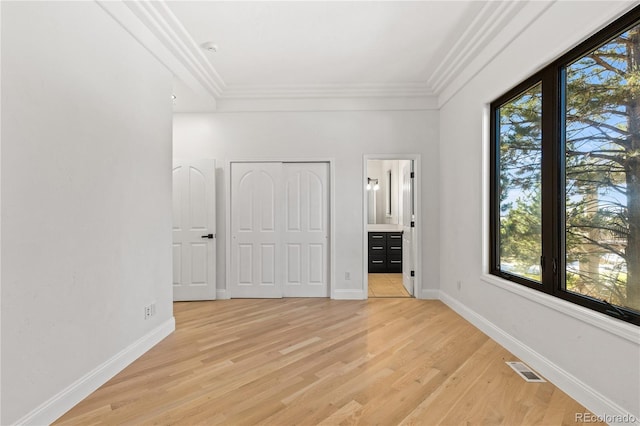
(344, 136)
(594, 357)
(86, 203)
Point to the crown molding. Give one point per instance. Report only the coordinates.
(161, 21)
(154, 25)
(286, 104)
(512, 24)
(483, 28)
(358, 90)
(123, 15)
(177, 50)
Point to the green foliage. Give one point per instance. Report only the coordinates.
(520, 233)
(602, 153)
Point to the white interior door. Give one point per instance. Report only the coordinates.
(256, 216)
(306, 232)
(194, 229)
(407, 229)
(279, 220)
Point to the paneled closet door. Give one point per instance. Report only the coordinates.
(256, 230)
(306, 233)
(279, 230)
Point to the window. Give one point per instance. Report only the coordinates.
(565, 175)
(519, 122)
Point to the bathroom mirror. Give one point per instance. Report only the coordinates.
(383, 191)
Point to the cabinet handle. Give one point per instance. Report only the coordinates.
(396, 261)
(377, 248)
(395, 236)
(377, 261)
(377, 236)
(395, 248)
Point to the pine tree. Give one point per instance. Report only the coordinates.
(602, 173)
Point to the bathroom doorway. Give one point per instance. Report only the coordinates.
(391, 204)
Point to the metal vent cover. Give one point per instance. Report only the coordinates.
(525, 372)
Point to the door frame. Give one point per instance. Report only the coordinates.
(224, 293)
(417, 281)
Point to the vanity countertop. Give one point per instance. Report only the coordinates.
(384, 227)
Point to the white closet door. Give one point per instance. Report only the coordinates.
(306, 233)
(256, 217)
(194, 222)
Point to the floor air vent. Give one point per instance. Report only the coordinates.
(525, 372)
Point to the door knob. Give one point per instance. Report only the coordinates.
(210, 236)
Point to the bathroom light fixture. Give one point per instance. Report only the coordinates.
(375, 185)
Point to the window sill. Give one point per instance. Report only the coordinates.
(611, 325)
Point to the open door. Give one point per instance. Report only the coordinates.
(194, 230)
(407, 225)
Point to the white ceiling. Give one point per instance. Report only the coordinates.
(325, 43)
(316, 49)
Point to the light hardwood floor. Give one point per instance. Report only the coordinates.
(320, 361)
(387, 285)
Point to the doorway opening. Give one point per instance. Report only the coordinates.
(391, 225)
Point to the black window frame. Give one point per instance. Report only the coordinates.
(553, 264)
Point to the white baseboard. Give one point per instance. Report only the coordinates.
(584, 394)
(348, 294)
(66, 399)
(222, 294)
(429, 294)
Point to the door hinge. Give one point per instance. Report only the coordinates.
(413, 224)
(413, 273)
(413, 174)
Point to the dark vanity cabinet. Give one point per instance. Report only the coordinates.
(385, 252)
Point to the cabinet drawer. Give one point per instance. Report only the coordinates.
(394, 265)
(377, 263)
(377, 237)
(377, 247)
(394, 262)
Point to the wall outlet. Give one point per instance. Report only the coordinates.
(347, 276)
(150, 310)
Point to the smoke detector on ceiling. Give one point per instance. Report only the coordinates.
(210, 46)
